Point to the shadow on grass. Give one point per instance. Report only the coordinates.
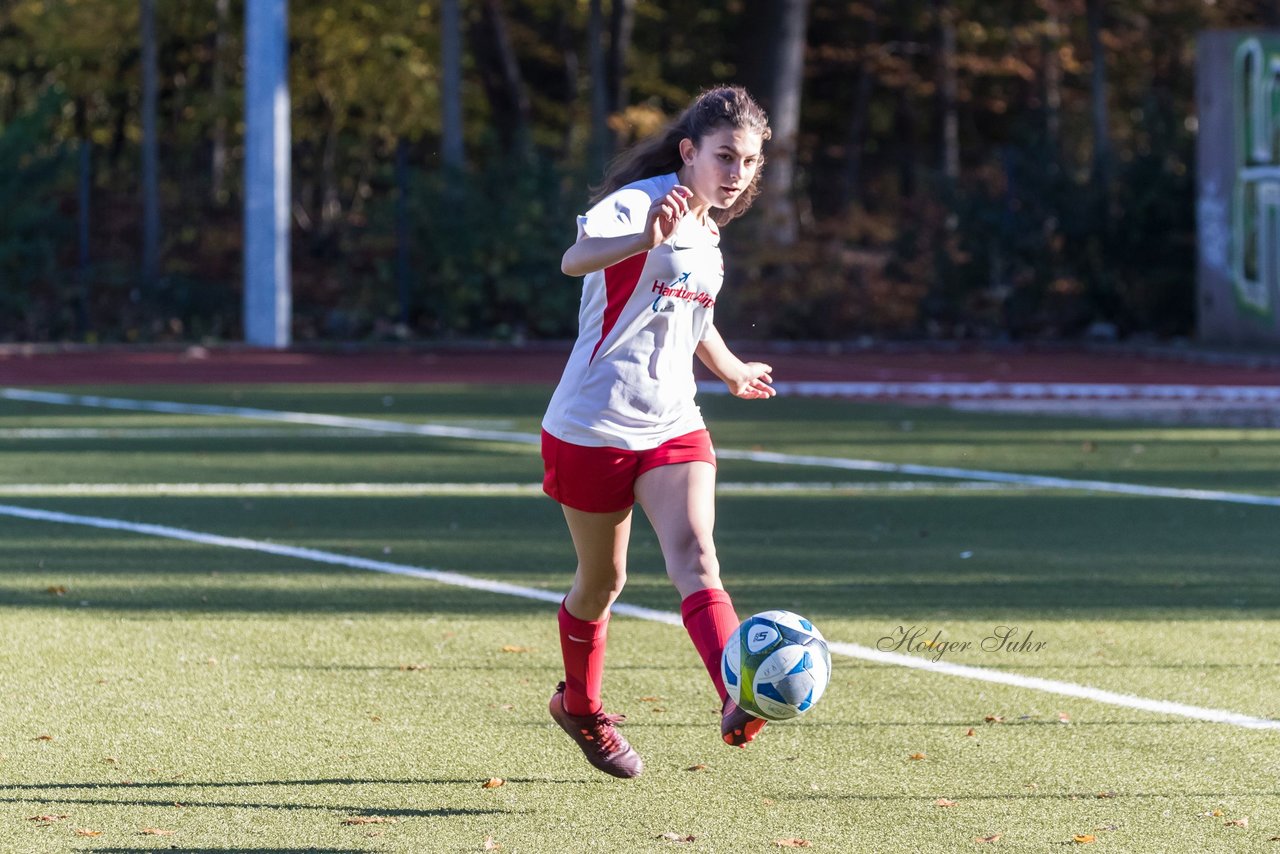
(440, 812)
(976, 556)
(175, 850)
(237, 784)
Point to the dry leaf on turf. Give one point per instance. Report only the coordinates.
(491, 844)
(84, 831)
(944, 802)
(1238, 822)
(57, 590)
(994, 719)
(48, 818)
(676, 837)
(415, 667)
(698, 767)
(369, 819)
(155, 831)
(513, 648)
(1107, 794)
(995, 837)
(970, 732)
(43, 738)
(793, 843)
(1084, 838)
(493, 783)
(916, 756)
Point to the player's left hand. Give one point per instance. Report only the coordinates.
(754, 382)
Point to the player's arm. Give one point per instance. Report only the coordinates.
(748, 380)
(590, 253)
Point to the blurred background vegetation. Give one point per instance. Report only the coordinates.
(990, 169)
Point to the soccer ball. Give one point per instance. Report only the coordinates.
(776, 665)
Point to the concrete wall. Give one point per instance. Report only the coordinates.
(1238, 176)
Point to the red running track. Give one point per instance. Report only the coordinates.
(23, 367)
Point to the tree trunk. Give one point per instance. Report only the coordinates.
(600, 142)
(500, 75)
(218, 160)
(1101, 136)
(1051, 45)
(785, 73)
(621, 26)
(451, 149)
(948, 93)
(851, 189)
(150, 151)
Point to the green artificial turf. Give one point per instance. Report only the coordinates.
(250, 702)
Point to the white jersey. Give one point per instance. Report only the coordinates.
(629, 381)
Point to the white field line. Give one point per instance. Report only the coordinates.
(88, 490)
(61, 433)
(1023, 391)
(438, 430)
(850, 650)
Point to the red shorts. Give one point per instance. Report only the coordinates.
(602, 480)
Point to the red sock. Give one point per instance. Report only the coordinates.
(710, 620)
(582, 646)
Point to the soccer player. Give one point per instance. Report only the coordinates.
(622, 426)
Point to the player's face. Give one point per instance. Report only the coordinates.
(723, 165)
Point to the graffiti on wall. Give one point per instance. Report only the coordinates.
(1255, 247)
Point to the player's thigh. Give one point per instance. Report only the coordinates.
(600, 541)
(679, 500)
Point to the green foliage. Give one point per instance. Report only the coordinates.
(488, 248)
(30, 223)
(1024, 244)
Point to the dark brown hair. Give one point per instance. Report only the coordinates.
(659, 154)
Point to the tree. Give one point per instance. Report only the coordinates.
(780, 28)
(451, 148)
(150, 150)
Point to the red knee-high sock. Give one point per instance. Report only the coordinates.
(710, 619)
(582, 645)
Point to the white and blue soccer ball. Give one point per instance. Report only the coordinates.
(776, 665)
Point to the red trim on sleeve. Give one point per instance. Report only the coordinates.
(620, 282)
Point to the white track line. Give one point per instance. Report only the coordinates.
(983, 674)
(77, 433)
(79, 490)
(1022, 391)
(456, 432)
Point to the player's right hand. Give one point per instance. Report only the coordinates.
(665, 215)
